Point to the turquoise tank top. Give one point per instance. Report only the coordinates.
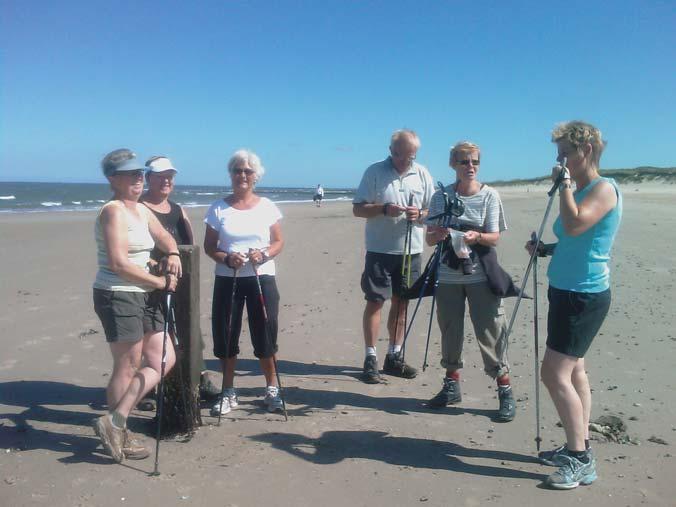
(580, 263)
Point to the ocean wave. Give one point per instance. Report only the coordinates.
(206, 193)
(7, 197)
(49, 204)
(76, 202)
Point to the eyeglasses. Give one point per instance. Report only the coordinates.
(404, 156)
(247, 172)
(475, 162)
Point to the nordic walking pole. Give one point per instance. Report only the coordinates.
(265, 325)
(550, 193)
(429, 325)
(228, 332)
(160, 391)
(536, 338)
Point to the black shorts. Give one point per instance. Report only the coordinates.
(574, 319)
(382, 275)
(129, 316)
(264, 340)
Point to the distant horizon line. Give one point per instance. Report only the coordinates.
(500, 182)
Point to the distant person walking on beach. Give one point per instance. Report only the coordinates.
(319, 195)
(579, 292)
(475, 232)
(392, 192)
(243, 235)
(128, 299)
(160, 175)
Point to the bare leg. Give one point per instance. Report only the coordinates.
(396, 320)
(143, 379)
(371, 322)
(581, 384)
(557, 371)
(268, 367)
(228, 367)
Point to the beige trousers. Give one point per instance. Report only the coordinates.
(488, 318)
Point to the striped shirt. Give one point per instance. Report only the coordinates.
(484, 212)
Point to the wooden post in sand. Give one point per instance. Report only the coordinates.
(181, 411)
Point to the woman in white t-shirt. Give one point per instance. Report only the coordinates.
(242, 233)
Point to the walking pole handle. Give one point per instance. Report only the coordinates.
(559, 178)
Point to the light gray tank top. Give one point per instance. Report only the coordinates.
(140, 244)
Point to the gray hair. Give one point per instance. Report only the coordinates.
(579, 133)
(405, 135)
(249, 158)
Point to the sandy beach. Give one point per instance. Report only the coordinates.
(346, 443)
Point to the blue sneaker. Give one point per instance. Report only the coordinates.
(572, 472)
(551, 458)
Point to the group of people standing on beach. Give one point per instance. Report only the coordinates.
(397, 198)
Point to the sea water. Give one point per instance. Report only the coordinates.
(24, 197)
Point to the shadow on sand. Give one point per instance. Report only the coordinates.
(335, 446)
(38, 399)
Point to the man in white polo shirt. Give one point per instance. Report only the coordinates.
(391, 193)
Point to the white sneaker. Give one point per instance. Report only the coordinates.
(272, 399)
(223, 407)
(231, 396)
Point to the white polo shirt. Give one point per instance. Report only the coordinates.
(382, 184)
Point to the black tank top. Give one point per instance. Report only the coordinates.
(174, 224)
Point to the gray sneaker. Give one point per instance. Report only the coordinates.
(449, 394)
(370, 374)
(111, 437)
(507, 410)
(572, 472)
(272, 399)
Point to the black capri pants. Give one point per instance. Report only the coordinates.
(227, 344)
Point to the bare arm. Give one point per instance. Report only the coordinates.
(482, 238)
(370, 210)
(578, 218)
(114, 226)
(211, 246)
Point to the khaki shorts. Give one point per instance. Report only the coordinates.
(129, 316)
(382, 275)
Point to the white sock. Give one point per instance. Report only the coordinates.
(371, 351)
(394, 349)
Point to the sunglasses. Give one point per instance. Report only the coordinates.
(132, 174)
(475, 162)
(247, 172)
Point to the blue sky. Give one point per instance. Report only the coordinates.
(317, 87)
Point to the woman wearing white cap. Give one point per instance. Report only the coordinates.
(127, 299)
(160, 175)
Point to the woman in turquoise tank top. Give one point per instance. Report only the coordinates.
(579, 293)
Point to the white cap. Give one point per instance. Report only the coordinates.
(159, 165)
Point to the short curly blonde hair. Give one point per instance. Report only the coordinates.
(578, 134)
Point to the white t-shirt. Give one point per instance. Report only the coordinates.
(240, 230)
(484, 211)
(381, 183)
